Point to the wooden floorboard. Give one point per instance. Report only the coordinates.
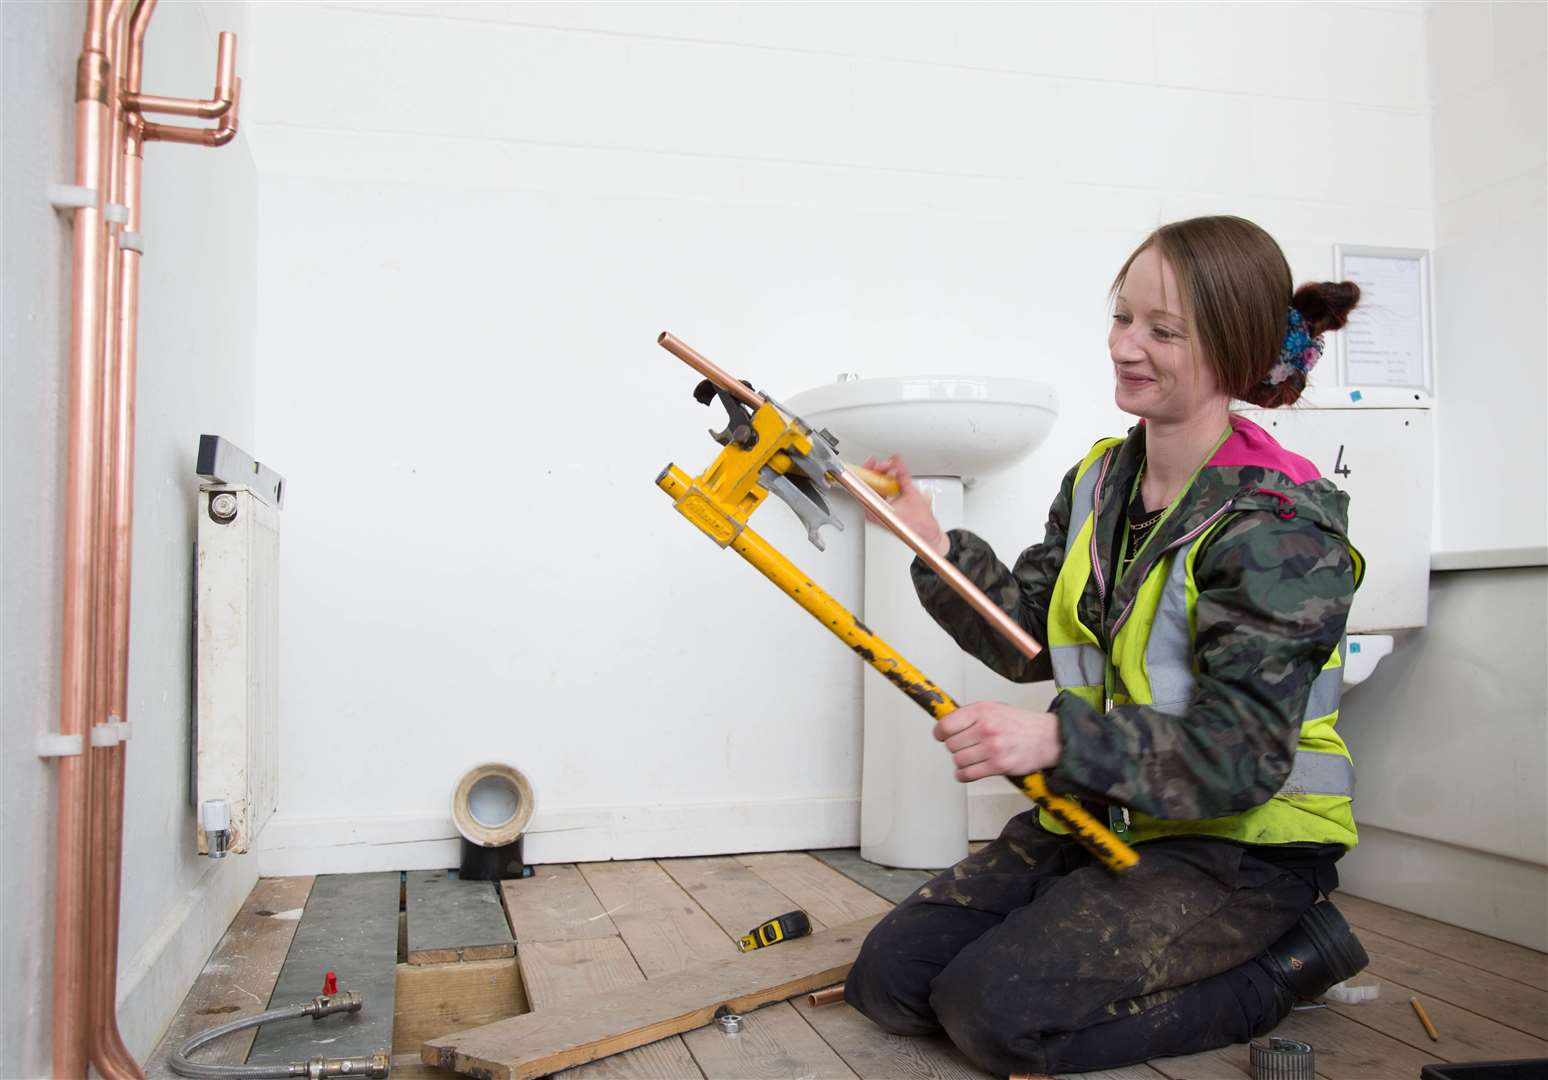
(874, 1054)
(451, 920)
(554, 904)
(437, 999)
(1433, 976)
(569, 951)
(543, 1041)
(820, 890)
(1347, 1050)
(668, 929)
(585, 931)
(1477, 950)
(1464, 1035)
(239, 977)
(731, 894)
(884, 881)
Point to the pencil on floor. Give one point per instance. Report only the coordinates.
(1424, 1018)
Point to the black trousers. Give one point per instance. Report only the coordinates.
(1033, 957)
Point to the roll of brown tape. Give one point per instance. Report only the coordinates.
(492, 805)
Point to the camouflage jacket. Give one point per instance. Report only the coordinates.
(1274, 596)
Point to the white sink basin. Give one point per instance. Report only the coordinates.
(943, 425)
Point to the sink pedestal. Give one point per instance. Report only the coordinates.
(913, 813)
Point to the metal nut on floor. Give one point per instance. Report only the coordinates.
(730, 1023)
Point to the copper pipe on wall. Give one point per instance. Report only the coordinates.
(108, 1053)
(872, 502)
(193, 136)
(216, 106)
(105, 1048)
(94, 91)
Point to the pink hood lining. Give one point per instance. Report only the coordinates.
(1249, 444)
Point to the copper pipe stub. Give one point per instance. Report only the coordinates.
(831, 996)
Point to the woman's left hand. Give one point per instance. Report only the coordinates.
(990, 738)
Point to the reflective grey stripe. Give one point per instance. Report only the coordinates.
(1169, 649)
(1077, 665)
(1319, 773)
(1082, 500)
(1325, 692)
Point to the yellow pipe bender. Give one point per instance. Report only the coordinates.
(766, 448)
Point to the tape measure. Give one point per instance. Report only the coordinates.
(792, 924)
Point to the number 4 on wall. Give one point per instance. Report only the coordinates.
(1339, 468)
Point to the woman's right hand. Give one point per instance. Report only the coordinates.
(911, 504)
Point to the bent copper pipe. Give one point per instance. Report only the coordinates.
(192, 136)
(1008, 628)
(93, 89)
(214, 107)
(112, 1058)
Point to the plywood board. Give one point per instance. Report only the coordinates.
(894, 885)
(450, 919)
(554, 904)
(350, 926)
(1501, 957)
(545, 1041)
(239, 976)
(821, 890)
(438, 999)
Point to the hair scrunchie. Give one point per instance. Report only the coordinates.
(1298, 355)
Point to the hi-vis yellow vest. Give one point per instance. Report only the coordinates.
(1151, 663)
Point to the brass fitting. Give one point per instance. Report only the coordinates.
(328, 1004)
(375, 1065)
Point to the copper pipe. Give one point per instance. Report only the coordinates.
(193, 136)
(214, 107)
(135, 67)
(1011, 630)
(831, 996)
(107, 1051)
(93, 90)
(707, 367)
(111, 1057)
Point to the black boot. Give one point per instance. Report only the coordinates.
(1318, 952)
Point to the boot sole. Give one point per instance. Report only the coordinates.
(1334, 939)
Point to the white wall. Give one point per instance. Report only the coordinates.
(1488, 82)
(1450, 735)
(1450, 740)
(197, 371)
(477, 217)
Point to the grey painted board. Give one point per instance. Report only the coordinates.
(350, 927)
(450, 919)
(894, 885)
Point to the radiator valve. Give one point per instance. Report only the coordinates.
(217, 826)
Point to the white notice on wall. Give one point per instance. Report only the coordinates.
(1384, 340)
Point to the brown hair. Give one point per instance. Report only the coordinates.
(1238, 284)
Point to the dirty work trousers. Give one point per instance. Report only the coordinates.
(1034, 958)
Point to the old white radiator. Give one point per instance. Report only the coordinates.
(236, 699)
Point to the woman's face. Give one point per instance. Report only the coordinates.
(1161, 371)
